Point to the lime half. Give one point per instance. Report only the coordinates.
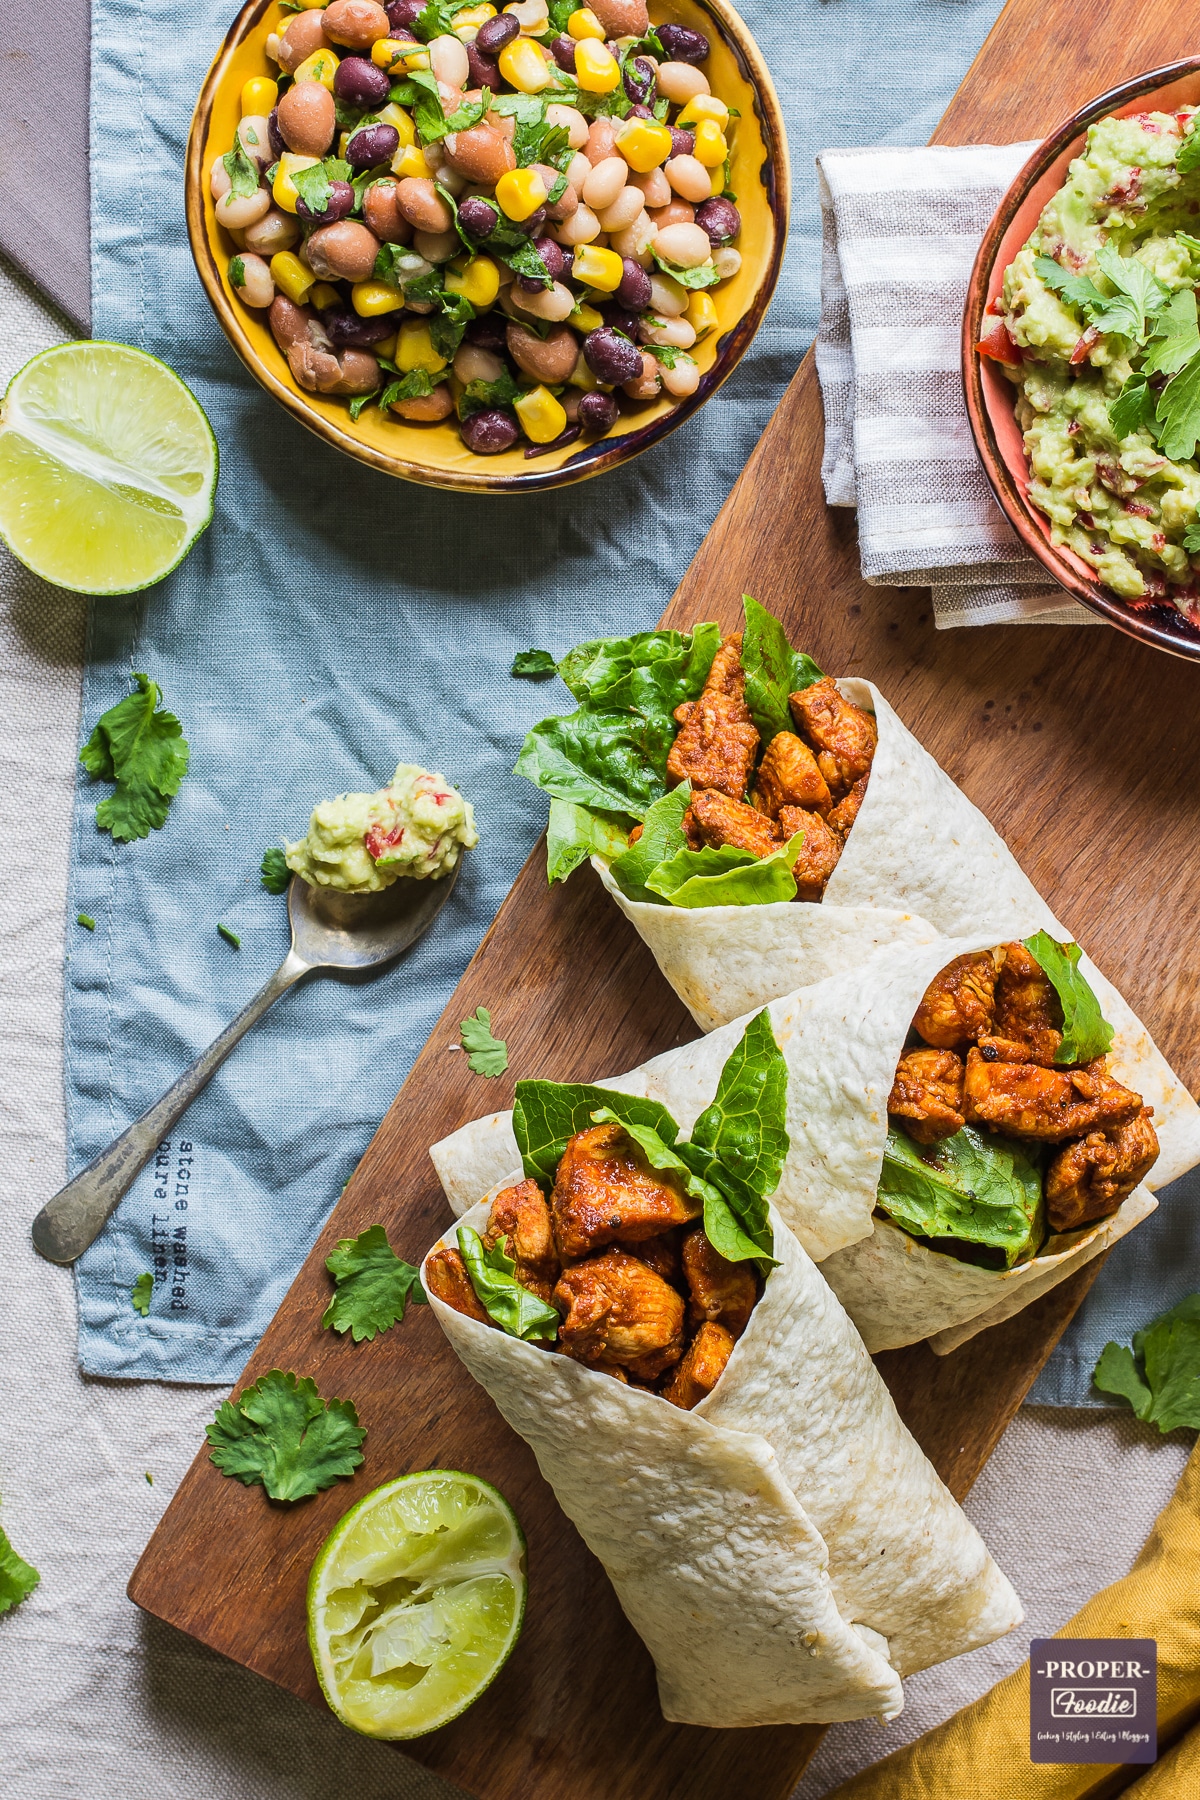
(415, 1602)
(107, 468)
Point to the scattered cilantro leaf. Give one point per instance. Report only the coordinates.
(361, 400)
(1133, 408)
(1087, 1034)
(140, 1293)
(371, 1286)
(429, 115)
(314, 184)
(514, 1308)
(535, 664)
(1191, 538)
(667, 354)
(146, 1472)
(237, 272)
(274, 870)
(478, 395)
(703, 276)
(487, 1055)
(1160, 1375)
(413, 386)
(435, 20)
(1178, 413)
(242, 171)
(1175, 337)
(1187, 157)
(144, 752)
(279, 1434)
(86, 920)
(347, 116)
(17, 1577)
(523, 259)
(231, 937)
(561, 11)
(1139, 293)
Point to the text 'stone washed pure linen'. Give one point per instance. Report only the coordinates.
(900, 233)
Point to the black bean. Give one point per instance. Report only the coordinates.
(533, 224)
(339, 205)
(477, 218)
(493, 34)
(621, 318)
(639, 112)
(611, 358)
(682, 44)
(360, 83)
(482, 71)
(346, 330)
(598, 412)
(720, 219)
(633, 291)
(568, 264)
(489, 432)
(275, 137)
(372, 145)
(559, 443)
(683, 143)
(639, 79)
(562, 49)
(401, 14)
(489, 333)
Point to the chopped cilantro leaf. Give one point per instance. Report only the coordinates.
(17, 1577)
(237, 272)
(1187, 157)
(314, 184)
(279, 1434)
(667, 354)
(242, 171)
(1133, 408)
(535, 664)
(140, 1293)
(1191, 538)
(361, 400)
(231, 937)
(372, 1285)
(1178, 413)
(702, 277)
(478, 394)
(487, 1055)
(1160, 1375)
(144, 752)
(274, 870)
(86, 920)
(413, 386)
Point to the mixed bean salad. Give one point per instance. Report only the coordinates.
(507, 219)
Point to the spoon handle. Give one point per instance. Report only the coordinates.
(77, 1214)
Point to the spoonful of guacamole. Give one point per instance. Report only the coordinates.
(417, 826)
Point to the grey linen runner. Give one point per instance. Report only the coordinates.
(900, 233)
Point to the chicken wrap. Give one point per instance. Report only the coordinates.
(941, 1184)
(762, 825)
(703, 1408)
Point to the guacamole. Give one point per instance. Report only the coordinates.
(1098, 332)
(418, 826)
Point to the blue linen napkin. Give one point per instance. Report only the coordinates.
(329, 624)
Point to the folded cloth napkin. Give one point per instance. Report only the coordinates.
(1159, 1599)
(900, 233)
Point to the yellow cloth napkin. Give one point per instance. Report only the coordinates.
(983, 1751)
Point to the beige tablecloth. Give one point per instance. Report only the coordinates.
(99, 1703)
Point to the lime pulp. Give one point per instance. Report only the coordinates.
(415, 1602)
(108, 467)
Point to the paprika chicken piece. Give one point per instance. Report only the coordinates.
(1028, 1011)
(722, 1292)
(1089, 1179)
(447, 1279)
(1030, 1101)
(605, 1189)
(717, 742)
(927, 1095)
(842, 816)
(658, 1253)
(717, 820)
(788, 776)
(702, 1367)
(818, 853)
(616, 1310)
(959, 1003)
(843, 735)
(521, 1217)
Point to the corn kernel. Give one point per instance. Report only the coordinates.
(321, 66)
(479, 282)
(312, 5)
(519, 192)
(284, 188)
(644, 144)
(584, 24)
(410, 160)
(581, 376)
(401, 122)
(387, 348)
(718, 180)
(524, 66)
(711, 148)
(391, 54)
(414, 348)
(596, 68)
(701, 312)
(598, 268)
(291, 277)
(703, 106)
(370, 298)
(325, 294)
(343, 140)
(542, 418)
(586, 318)
(468, 21)
(259, 95)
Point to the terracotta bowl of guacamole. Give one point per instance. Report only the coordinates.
(1097, 471)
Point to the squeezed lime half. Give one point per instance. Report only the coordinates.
(108, 468)
(415, 1602)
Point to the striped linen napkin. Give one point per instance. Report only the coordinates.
(900, 232)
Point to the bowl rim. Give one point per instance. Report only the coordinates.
(594, 459)
(1022, 516)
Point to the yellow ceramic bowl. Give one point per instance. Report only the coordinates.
(435, 453)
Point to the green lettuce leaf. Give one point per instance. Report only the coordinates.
(661, 839)
(1187, 157)
(1087, 1034)
(612, 761)
(577, 832)
(652, 671)
(721, 1223)
(727, 877)
(974, 1187)
(143, 750)
(280, 1435)
(372, 1285)
(514, 1308)
(773, 670)
(1160, 1376)
(547, 1113)
(17, 1577)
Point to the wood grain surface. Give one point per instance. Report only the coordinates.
(1080, 745)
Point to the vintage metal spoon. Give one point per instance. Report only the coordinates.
(342, 934)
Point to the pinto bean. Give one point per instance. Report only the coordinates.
(359, 372)
(567, 202)
(356, 23)
(601, 141)
(289, 322)
(654, 185)
(623, 18)
(422, 205)
(381, 212)
(646, 385)
(547, 359)
(307, 118)
(482, 154)
(426, 409)
(304, 34)
(342, 252)
(677, 213)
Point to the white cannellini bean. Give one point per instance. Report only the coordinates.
(550, 303)
(636, 239)
(533, 16)
(629, 203)
(689, 178)
(256, 287)
(683, 379)
(218, 180)
(577, 170)
(604, 183)
(727, 261)
(686, 246)
(583, 227)
(276, 230)
(667, 298)
(680, 82)
(471, 363)
(572, 120)
(654, 185)
(449, 61)
(236, 211)
(453, 180)
(255, 139)
(437, 246)
(679, 332)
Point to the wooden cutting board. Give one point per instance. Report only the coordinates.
(1080, 745)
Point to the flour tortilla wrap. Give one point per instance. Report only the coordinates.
(841, 1040)
(920, 860)
(785, 1551)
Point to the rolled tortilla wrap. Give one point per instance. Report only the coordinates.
(841, 1040)
(785, 1551)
